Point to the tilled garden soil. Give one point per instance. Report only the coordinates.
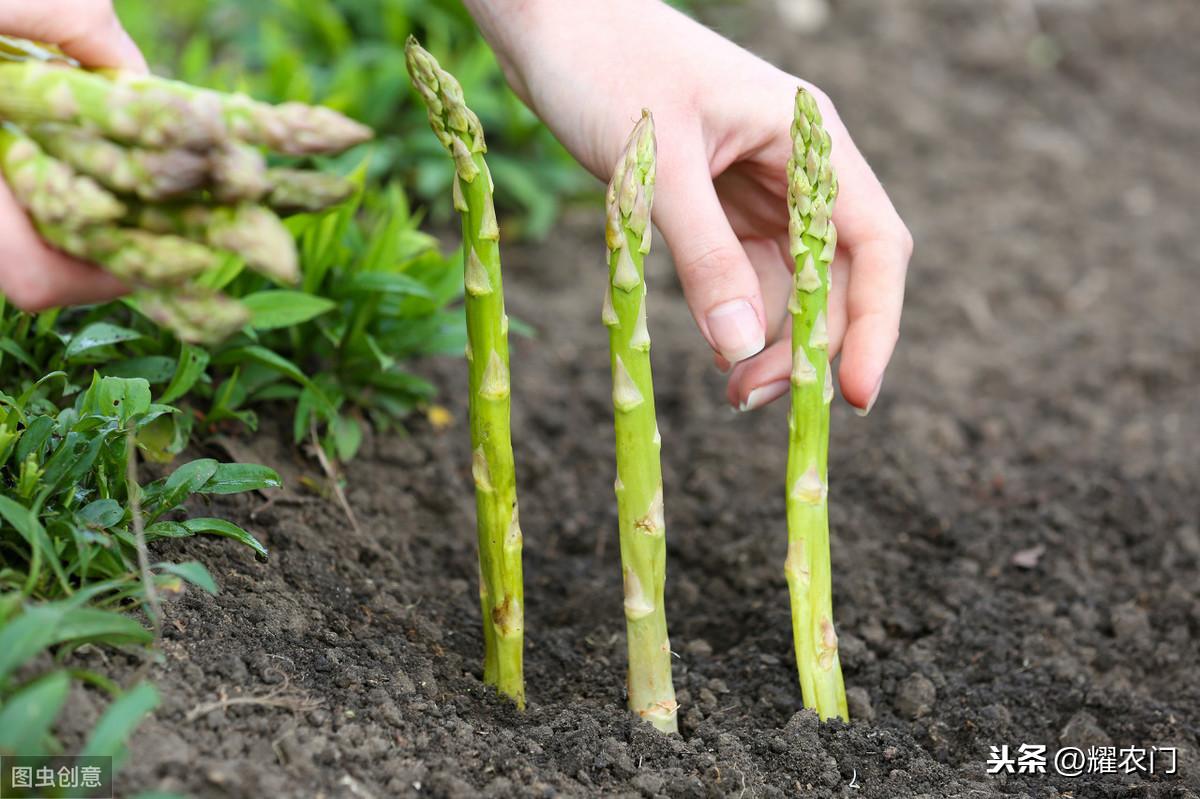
(1016, 527)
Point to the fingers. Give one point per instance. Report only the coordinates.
(87, 30)
(35, 277)
(879, 248)
(873, 303)
(718, 280)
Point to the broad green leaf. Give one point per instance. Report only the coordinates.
(84, 624)
(347, 436)
(121, 397)
(234, 478)
(25, 636)
(284, 308)
(119, 721)
(192, 571)
(153, 368)
(101, 514)
(226, 529)
(25, 717)
(373, 283)
(97, 335)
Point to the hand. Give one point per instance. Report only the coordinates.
(723, 121)
(32, 275)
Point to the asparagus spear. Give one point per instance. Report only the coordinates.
(149, 174)
(238, 171)
(35, 91)
(291, 128)
(156, 112)
(135, 256)
(294, 190)
(49, 189)
(639, 472)
(501, 589)
(251, 231)
(192, 315)
(812, 189)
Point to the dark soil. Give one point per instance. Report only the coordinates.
(1016, 526)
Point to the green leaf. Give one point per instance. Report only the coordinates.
(194, 572)
(25, 717)
(284, 308)
(227, 530)
(79, 625)
(192, 362)
(121, 397)
(101, 514)
(282, 365)
(119, 721)
(373, 283)
(25, 521)
(153, 368)
(27, 635)
(97, 335)
(347, 436)
(234, 478)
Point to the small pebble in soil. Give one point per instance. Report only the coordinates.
(1084, 730)
(859, 704)
(915, 696)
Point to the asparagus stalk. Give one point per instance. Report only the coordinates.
(501, 589)
(251, 231)
(49, 189)
(289, 128)
(238, 171)
(812, 189)
(194, 316)
(135, 256)
(160, 113)
(296, 190)
(148, 174)
(35, 91)
(639, 472)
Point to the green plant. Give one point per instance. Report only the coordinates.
(501, 588)
(639, 472)
(375, 293)
(812, 190)
(71, 563)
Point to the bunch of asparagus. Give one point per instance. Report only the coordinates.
(158, 181)
(501, 589)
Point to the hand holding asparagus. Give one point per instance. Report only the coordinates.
(157, 181)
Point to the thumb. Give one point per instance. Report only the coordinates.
(87, 31)
(720, 285)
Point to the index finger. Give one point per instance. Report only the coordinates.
(879, 246)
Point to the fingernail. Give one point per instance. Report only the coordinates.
(735, 330)
(763, 394)
(870, 402)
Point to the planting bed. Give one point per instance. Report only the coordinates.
(1016, 529)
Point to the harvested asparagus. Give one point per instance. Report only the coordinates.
(135, 256)
(76, 145)
(639, 471)
(251, 231)
(51, 191)
(149, 174)
(194, 316)
(501, 588)
(155, 112)
(237, 171)
(295, 190)
(812, 189)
